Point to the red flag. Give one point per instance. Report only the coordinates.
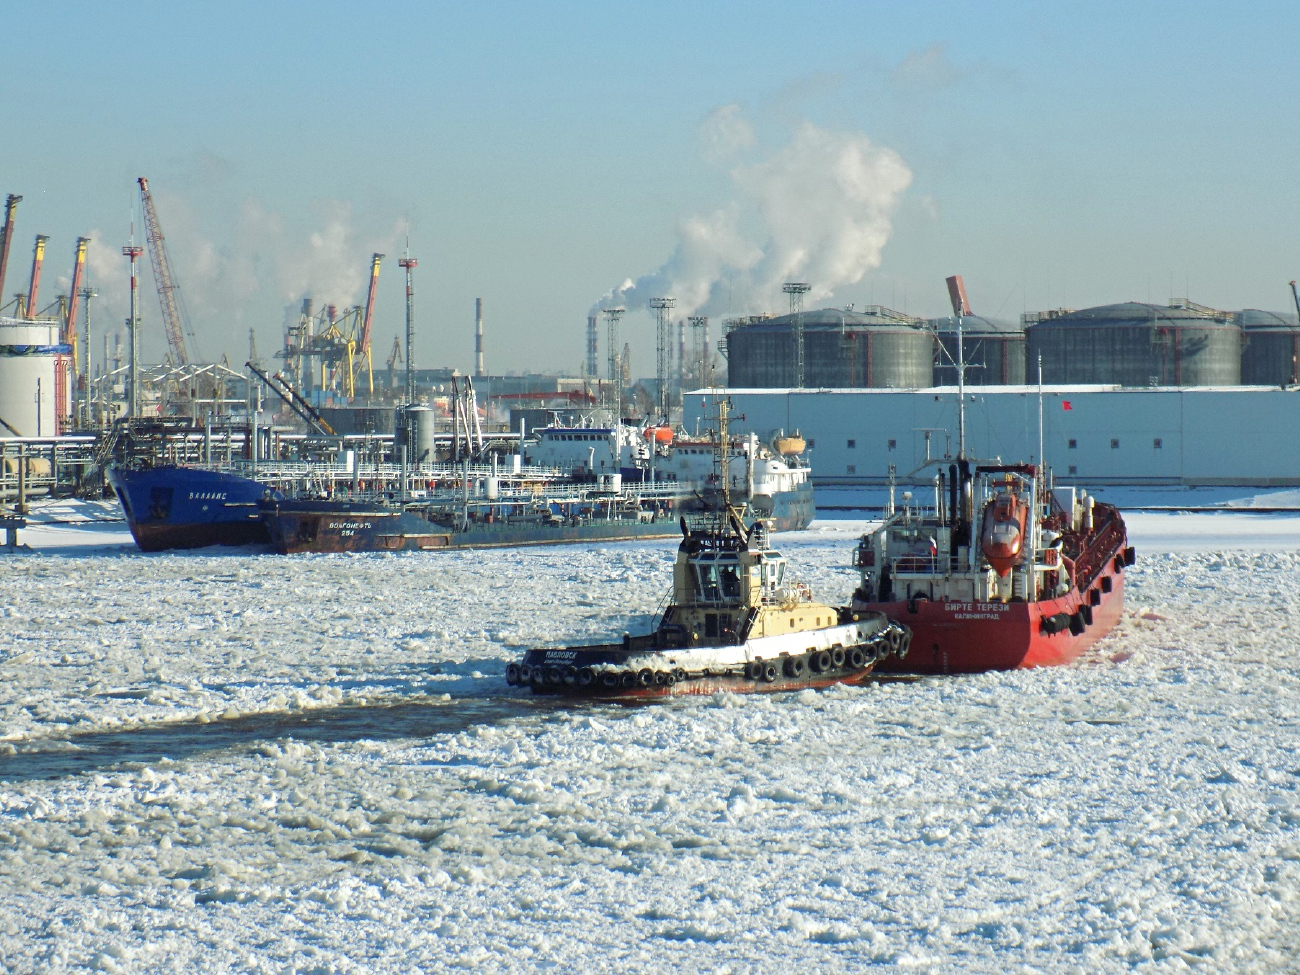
(1065, 405)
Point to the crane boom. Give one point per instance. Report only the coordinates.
(162, 273)
(74, 296)
(364, 347)
(1295, 296)
(6, 238)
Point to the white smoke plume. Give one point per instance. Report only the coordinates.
(237, 262)
(821, 206)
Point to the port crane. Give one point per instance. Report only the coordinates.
(337, 341)
(168, 296)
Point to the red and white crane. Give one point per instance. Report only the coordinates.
(168, 290)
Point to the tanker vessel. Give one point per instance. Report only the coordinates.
(1004, 571)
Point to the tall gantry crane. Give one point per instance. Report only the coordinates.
(363, 348)
(166, 281)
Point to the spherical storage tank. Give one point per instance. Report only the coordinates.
(28, 356)
(843, 348)
(1270, 348)
(993, 349)
(1137, 344)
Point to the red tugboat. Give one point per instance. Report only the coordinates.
(1004, 571)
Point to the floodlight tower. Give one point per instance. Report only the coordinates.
(663, 350)
(133, 252)
(408, 264)
(796, 290)
(700, 347)
(83, 386)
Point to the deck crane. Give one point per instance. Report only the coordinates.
(167, 287)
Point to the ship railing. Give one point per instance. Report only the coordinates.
(284, 470)
(1091, 562)
(916, 565)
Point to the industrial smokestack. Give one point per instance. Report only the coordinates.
(681, 356)
(478, 336)
(591, 346)
(957, 295)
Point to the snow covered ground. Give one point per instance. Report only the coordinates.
(230, 761)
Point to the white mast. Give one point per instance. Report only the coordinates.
(961, 393)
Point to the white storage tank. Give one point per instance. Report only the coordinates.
(28, 355)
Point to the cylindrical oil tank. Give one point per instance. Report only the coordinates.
(993, 349)
(420, 425)
(1270, 348)
(28, 358)
(1138, 344)
(843, 348)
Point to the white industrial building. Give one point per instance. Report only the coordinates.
(1237, 435)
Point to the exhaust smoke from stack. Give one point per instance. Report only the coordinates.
(818, 209)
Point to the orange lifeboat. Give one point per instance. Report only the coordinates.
(1003, 536)
(659, 434)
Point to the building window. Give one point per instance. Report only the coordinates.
(1157, 443)
(852, 469)
(852, 444)
(893, 444)
(1073, 469)
(1073, 444)
(1114, 445)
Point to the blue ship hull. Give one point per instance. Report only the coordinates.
(182, 507)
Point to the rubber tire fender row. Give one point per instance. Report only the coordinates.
(894, 640)
(795, 666)
(820, 662)
(838, 657)
(858, 658)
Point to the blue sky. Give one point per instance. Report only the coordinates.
(539, 156)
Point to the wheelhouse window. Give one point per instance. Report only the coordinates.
(729, 578)
(706, 579)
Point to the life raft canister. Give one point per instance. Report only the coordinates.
(1003, 536)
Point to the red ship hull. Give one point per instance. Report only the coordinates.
(972, 637)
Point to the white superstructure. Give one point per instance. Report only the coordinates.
(647, 454)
